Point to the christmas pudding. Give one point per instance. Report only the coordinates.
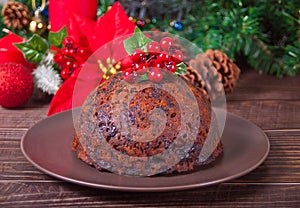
(145, 120)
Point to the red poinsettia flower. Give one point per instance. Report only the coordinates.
(112, 25)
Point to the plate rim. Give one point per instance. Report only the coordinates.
(144, 189)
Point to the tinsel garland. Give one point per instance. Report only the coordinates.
(46, 78)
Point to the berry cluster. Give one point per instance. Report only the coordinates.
(161, 58)
(71, 57)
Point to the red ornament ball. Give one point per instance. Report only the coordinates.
(141, 23)
(16, 85)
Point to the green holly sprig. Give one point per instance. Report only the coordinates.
(150, 60)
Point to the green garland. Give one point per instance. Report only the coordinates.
(264, 33)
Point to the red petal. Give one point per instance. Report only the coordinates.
(75, 89)
(10, 53)
(114, 23)
(63, 97)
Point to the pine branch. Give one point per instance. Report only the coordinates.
(263, 59)
(266, 32)
(291, 59)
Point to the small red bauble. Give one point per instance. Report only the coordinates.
(16, 85)
(141, 23)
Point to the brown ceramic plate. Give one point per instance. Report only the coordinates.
(47, 145)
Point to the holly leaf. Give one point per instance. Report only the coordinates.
(180, 69)
(33, 49)
(143, 77)
(138, 40)
(56, 38)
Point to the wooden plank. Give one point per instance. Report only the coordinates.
(12, 160)
(283, 162)
(273, 114)
(252, 86)
(22, 119)
(53, 194)
(268, 114)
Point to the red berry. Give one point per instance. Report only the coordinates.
(65, 73)
(155, 63)
(127, 72)
(137, 55)
(68, 51)
(170, 66)
(61, 51)
(126, 63)
(68, 42)
(58, 58)
(140, 68)
(76, 65)
(82, 52)
(72, 51)
(138, 50)
(164, 57)
(155, 75)
(153, 47)
(68, 64)
(178, 56)
(165, 43)
(128, 75)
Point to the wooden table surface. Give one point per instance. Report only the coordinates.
(272, 104)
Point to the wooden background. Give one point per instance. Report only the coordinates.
(271, 103)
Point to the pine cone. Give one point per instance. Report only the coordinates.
(207, 76)
(225, 75)
(193, 77)
(228, 70)
(15, 15)
(157, 35)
